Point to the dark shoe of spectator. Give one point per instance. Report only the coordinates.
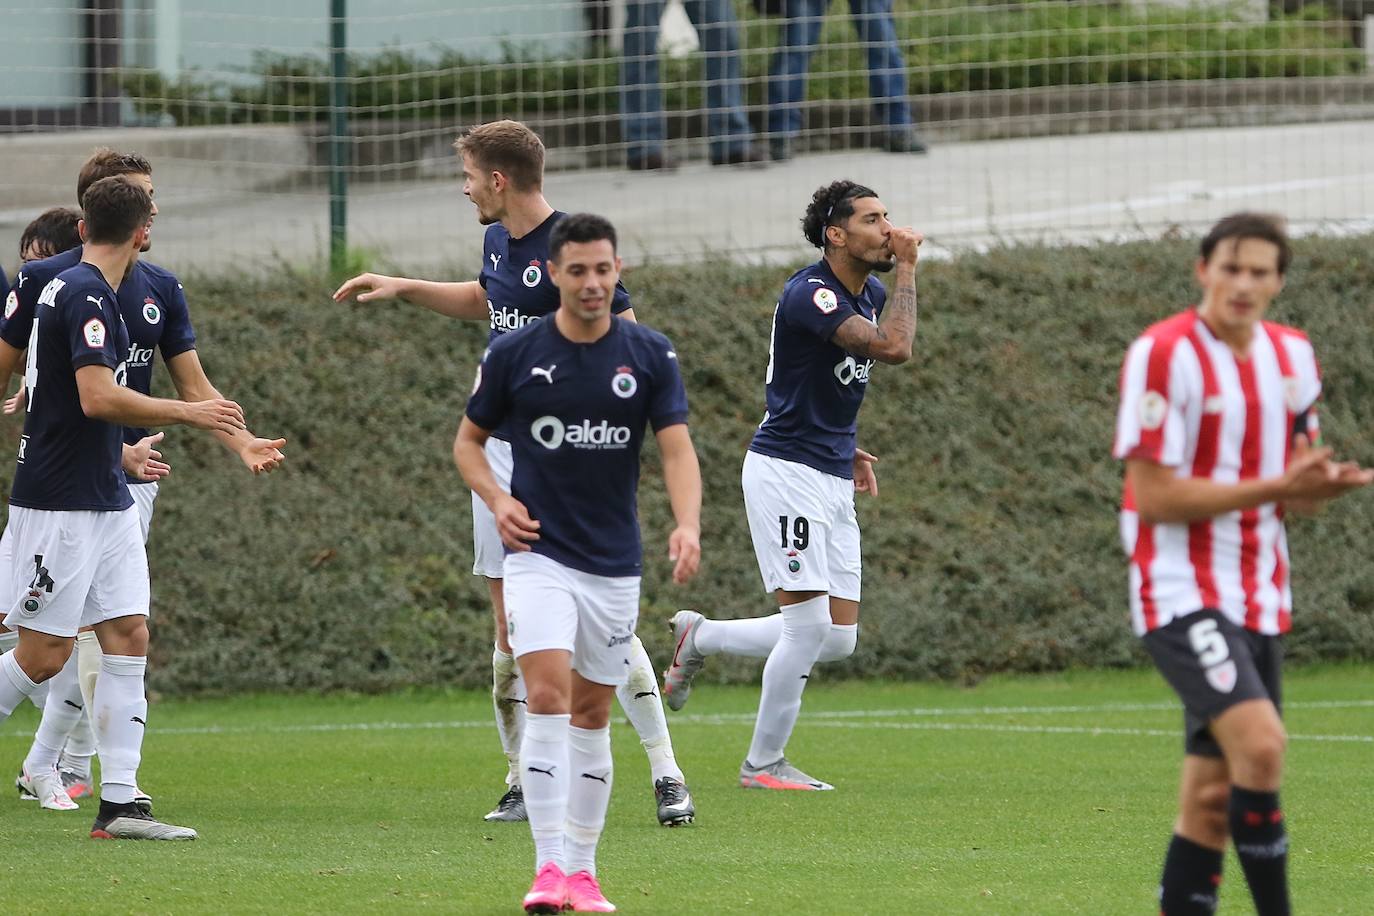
(752, 155)
(651, 162)
(905, 141)
(780, 149)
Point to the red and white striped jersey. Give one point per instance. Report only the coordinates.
(1187, 402)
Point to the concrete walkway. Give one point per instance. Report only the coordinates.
(962, 195)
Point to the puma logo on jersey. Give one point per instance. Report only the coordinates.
(495, 260)
(547, 373)
(98, 300)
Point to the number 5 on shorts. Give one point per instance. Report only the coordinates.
(1209, 645)
(800, 532)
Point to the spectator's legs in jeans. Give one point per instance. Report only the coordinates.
(641, 100)
(727, 124)
(801, 28)
(886, 68)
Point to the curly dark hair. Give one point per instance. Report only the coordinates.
(1265, 227)
(53, 232)
(830, 206)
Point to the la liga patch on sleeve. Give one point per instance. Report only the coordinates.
(825, 300)
(94, 332)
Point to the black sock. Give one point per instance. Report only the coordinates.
(1262, 846)
(1192, 874)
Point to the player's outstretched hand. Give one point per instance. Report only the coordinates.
(141, 462)
(16, 403)
(1313, 476)
(368, 287)
(514, 524)
(262, 456)
(905, 243)
(865, 477)
(215, 414)
(684, 551)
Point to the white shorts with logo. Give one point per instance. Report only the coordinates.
(549, 606)
(93, 569)
(488, 555)
(806, 536)
(144, 495)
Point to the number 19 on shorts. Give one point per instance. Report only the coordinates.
(796, 531)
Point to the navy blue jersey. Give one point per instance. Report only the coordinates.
(150, 299)
(68, 461)
(4, 285)
(813, 387)
(576, 414)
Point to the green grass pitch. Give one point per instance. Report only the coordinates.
(1043, 795)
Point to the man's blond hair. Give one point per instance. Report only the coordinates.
(508, 147)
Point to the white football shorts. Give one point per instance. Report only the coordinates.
(805, 533)
(74, 569)
(144, 495)
(488, 554)
(549, 606)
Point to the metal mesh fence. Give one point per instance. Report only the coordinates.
(1049, 119)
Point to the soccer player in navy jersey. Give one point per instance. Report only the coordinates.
(503, 175)
(153, 307)
(574, 393)
(77, 546)
(803, 467)
(1217, 427)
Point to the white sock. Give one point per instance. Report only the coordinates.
(15, 685)
(121, 715)
(39, 696)
(60, 715)
(839, 642)
(88, 656)
(544, 776)
(80, 748)
(756, 636)
(639, 698)
(508, 700)
(805, 626)
(589, 755)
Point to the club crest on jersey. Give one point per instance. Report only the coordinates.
(94, 333)
(825, 300)
(151, 313)
(1153, 407)
(532, 275)
(11, 303)
(1222, 677)
(624, 383)
(1291, 394)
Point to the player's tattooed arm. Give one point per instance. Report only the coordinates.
(465, 300)
(889, 341)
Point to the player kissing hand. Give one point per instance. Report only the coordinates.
(905, 243)
(684, 551)
(368, 287)
(514, 524)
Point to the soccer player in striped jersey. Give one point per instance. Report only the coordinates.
(1217, 426)
(832, 323)
(503, 175)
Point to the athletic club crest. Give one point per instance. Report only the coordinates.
(151, 313)
(1222, 677)
(533, 274)
(624, 383)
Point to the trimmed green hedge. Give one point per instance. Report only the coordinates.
(1004, 46)
(993, 546)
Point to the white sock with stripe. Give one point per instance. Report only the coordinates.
(121, 715)
(755, 637)
(639, 698)
(589, 755)
(15, 685)
(544, 776)
(508, 700)
(60, 715)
